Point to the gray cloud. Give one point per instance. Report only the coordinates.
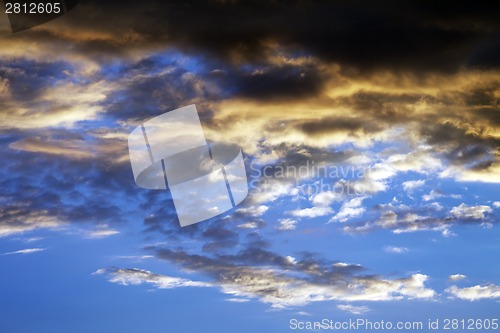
(284, 281)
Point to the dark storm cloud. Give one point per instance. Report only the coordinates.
(490, 114)
(335, 124)
(461, 146)
(289, 82)
(151, 86)
(409, 35)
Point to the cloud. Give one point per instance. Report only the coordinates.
(420, 160)
(100, 233)
(422, 41)
(357, 310)
(75, 149)
(433, 194)
(35, 103)
(135, 258)
(470, 212)
(456, 277)
(418, 94)
(25, 251)
(402, 223)
(416, 39)
(404, 219)
(396, 249)
(286, 224)
(254, 211)
(282, 283)
(238, 300)
(281, 291)
(95, 146)
(249, 225)
(350, 210)
(410, 185)
(136, 276)
(326, 198)
(17, 221)
(475, 293)
(311, 212)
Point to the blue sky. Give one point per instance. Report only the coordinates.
(373, 176)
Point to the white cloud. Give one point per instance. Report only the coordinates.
(496, 204)
(344, 264)
(270, 190)
(436, 206)
(254, 211)
(488, 175)
(475, 293)
(136, 276)
(311, 212)
(412, 184)
(326, 198)
(25, 251)
(248, 225)
(374, 179)
(396, 249)
(238, 300)
(470, 212)
(357, 310)
(287, 224)
(349, 210)
(368, 185)
(291, 260)
(419, 160)
(456, 277)
(432, 195)
(291, 292)
(100, 233)
(304, 313)
(136, 258)
(380, 171)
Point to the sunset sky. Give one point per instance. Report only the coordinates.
(371, 136)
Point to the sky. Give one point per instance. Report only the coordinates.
(371, 138)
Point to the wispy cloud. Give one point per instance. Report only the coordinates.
(102, 233)
(26, 251)
(396, 249)
(357, 310)
(136, 276)
(18, 221)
